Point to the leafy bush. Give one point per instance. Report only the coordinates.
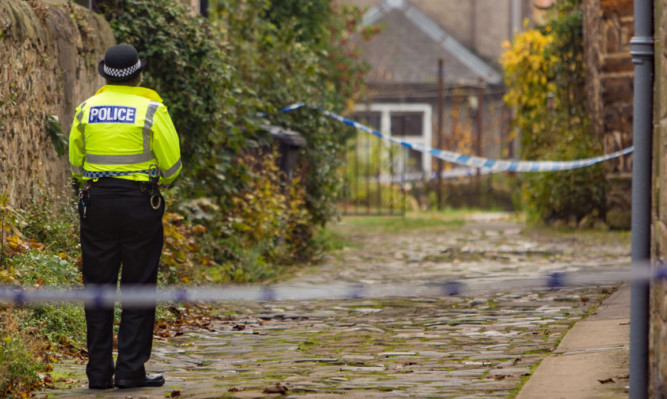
(251, 231)
(545, 74)
(322, 71)
(52, 220)
(30, 336)
(61, 325)
(226, 79)
(18, 368)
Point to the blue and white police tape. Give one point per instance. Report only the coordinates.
(105, 296)
(493, 165)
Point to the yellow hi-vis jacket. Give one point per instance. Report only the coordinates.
(124, 132)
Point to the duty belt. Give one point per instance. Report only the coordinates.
(153, 190)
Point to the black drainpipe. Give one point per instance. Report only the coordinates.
(642, 52)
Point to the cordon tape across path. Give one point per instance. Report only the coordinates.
(491, 165)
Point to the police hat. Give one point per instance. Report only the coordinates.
(120, 63)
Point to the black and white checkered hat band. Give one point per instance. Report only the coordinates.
(122, 73)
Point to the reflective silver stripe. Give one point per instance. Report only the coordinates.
(170, 172)
(148, 125)
(79, 117)
(119, 159)
(77, 170)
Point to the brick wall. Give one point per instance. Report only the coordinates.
(48, 65)
(608, 28)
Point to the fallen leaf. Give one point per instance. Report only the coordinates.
(175, 394)
(278, 388)
(607, 381)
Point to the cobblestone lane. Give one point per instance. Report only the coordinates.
(481, 344)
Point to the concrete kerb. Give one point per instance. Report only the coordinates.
(592, 360)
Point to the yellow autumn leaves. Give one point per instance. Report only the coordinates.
(528, 63)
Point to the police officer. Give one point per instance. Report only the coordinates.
(122, 146)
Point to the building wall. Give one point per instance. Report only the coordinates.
(658, 301)
(608, 28)
(48, 65)
(480, 25)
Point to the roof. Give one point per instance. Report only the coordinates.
(408, 48)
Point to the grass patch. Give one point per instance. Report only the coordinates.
(540, 351)
(328, 240)
(393, 224)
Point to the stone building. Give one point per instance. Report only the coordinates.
(402, 99)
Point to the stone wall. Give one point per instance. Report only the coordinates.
(49, 52)
(608, 28)
(658, 304)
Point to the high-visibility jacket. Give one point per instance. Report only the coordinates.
(124, 132)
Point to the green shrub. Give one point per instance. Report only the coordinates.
(45, 253)
(545, 73)
(51, 219)
(231, 75)
(19, 364)
(61, 325)
(64, 326)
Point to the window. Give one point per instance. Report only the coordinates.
(410, 123)
(407, 124)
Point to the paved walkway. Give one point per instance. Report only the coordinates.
(592, 359)
(485, 343)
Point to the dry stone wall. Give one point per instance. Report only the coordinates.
(49, 51)
(658, 292)
(608, 28)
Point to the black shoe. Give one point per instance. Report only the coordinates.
(156, 380)
(104, 385)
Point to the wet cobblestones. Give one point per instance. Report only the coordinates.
(482, 344)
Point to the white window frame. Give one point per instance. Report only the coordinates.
(386, 109)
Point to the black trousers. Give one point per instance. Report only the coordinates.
(119, 227)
